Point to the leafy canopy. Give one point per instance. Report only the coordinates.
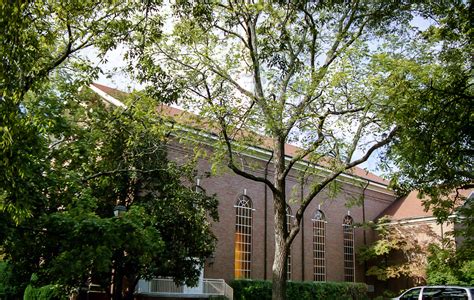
(67, 160)
(41, 39)
(103, 157)
(433, 152)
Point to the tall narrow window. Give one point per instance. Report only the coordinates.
(348, 230)
(319, 246)
(243, 237)
(288, 259)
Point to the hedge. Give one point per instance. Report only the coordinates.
(262, 290)
(47, 292)
(7, 291)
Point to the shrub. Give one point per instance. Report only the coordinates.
(47, 292)
(262, 289)
(8, 290)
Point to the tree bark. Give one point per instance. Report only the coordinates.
(279, 267)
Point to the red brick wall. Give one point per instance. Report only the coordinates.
(228, 186)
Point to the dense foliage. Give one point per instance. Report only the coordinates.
(5, 289)
(47, 292)
(40, 39)
(433, 152)
(447, 267)
(99, 157)
(67, 160)
(260, 289)
(400, 250)
(453, 261)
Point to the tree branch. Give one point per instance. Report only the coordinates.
(378, 145)
(356, 139)
(310, 149)
(332, 176)
(230, 32)
(240, 172)
(230, 155)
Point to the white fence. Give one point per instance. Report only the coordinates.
(165, 287)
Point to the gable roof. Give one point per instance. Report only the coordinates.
(411, 206)
(408, 206)
(290, 150)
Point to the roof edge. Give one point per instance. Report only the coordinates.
(104, 92)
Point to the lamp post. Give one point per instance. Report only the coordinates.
(119, 210)
(116, 288)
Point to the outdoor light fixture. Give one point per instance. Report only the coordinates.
(119, 210)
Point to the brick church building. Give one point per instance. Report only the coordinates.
(325, 249)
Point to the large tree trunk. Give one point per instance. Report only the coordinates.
(279, 268)
(279, 201)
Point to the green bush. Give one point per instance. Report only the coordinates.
(47, 292)
(448, 266)
(3, 278)
(7, 289)
(262, 290)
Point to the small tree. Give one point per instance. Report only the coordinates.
(400, 250)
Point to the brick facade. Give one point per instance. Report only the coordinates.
(228, 187)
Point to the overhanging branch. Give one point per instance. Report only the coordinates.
(317, 188)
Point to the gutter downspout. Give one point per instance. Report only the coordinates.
(302, 232)
(265, 221)
(363, 221)
(363, 210)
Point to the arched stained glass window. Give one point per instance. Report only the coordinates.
(348, 230)
(289, 217)
(319, 246)
(243, 237)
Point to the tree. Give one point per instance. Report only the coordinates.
(40, 39)
(300, 72)
(101, 158)
(63, 171)
(433, 152)
(400, 250)
(446, 268)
